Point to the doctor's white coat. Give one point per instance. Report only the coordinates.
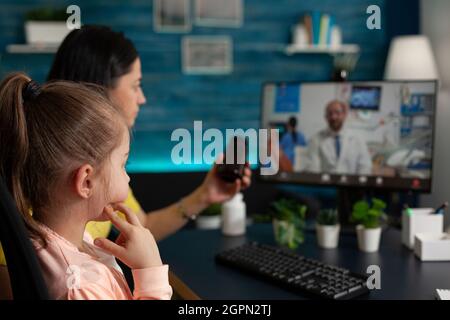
(354, 155)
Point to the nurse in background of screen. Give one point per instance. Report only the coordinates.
(291, 139)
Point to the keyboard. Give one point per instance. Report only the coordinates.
(294, 272)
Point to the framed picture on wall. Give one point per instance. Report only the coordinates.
(172, 16)
(207, 55)
(219, 13)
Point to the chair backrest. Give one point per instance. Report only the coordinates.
(25, 273)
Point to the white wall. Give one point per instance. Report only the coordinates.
(435, 24)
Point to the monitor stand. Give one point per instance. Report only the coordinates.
(346, 197)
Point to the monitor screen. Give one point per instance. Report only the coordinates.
(366, 134)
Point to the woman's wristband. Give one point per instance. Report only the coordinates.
(183, 212)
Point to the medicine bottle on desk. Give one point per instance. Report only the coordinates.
(234, 216)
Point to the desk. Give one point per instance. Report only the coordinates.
(190, 255)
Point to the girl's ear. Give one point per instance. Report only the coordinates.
(83, 181)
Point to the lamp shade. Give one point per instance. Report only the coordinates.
(410, 58)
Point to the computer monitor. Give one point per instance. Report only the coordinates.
(371, 134)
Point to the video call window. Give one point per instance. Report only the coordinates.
(371, 133)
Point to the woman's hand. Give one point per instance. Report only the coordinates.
(215, 190)
(135, 246)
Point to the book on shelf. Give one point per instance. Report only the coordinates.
(318, 27)
(307, 21)
(324, 20)
(316, 15)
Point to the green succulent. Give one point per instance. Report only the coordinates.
(369, 216)
(289, 222)
(46, 14)
(213, 210)
(328, 217)
(288, 209)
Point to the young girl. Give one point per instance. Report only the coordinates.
(63, 154)
(100, 55)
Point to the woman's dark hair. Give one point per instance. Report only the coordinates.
(293, 124)
(94, 54)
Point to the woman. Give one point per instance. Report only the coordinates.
(96, 54)
(291, 139)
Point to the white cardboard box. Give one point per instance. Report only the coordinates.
(432, 246)
(421, 220)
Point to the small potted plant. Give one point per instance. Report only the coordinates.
(288, 222)
(328, 228)
(46, 26)
(369, 218)
(210, 218)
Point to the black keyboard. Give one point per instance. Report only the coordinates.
(295, 272)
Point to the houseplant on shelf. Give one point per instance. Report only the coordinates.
(46, 26)
(369, 217)
(327, 228)
(288, 218)
(210, 218)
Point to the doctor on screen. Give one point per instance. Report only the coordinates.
(336, 150)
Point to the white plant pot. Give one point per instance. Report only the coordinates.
(208, 222)
(368, 239)
(45, 32)
(328, 236)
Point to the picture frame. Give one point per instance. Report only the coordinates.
(211, 55)
(219, 13)
(172, 16)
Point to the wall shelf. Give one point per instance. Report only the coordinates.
(32, 48)
(324, 49)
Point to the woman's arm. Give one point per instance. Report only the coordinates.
(168, 220)
(5, 285)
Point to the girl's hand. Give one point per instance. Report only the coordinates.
(135, 246)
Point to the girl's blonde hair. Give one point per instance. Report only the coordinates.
(46, 133)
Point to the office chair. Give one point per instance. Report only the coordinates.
(25, 273)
